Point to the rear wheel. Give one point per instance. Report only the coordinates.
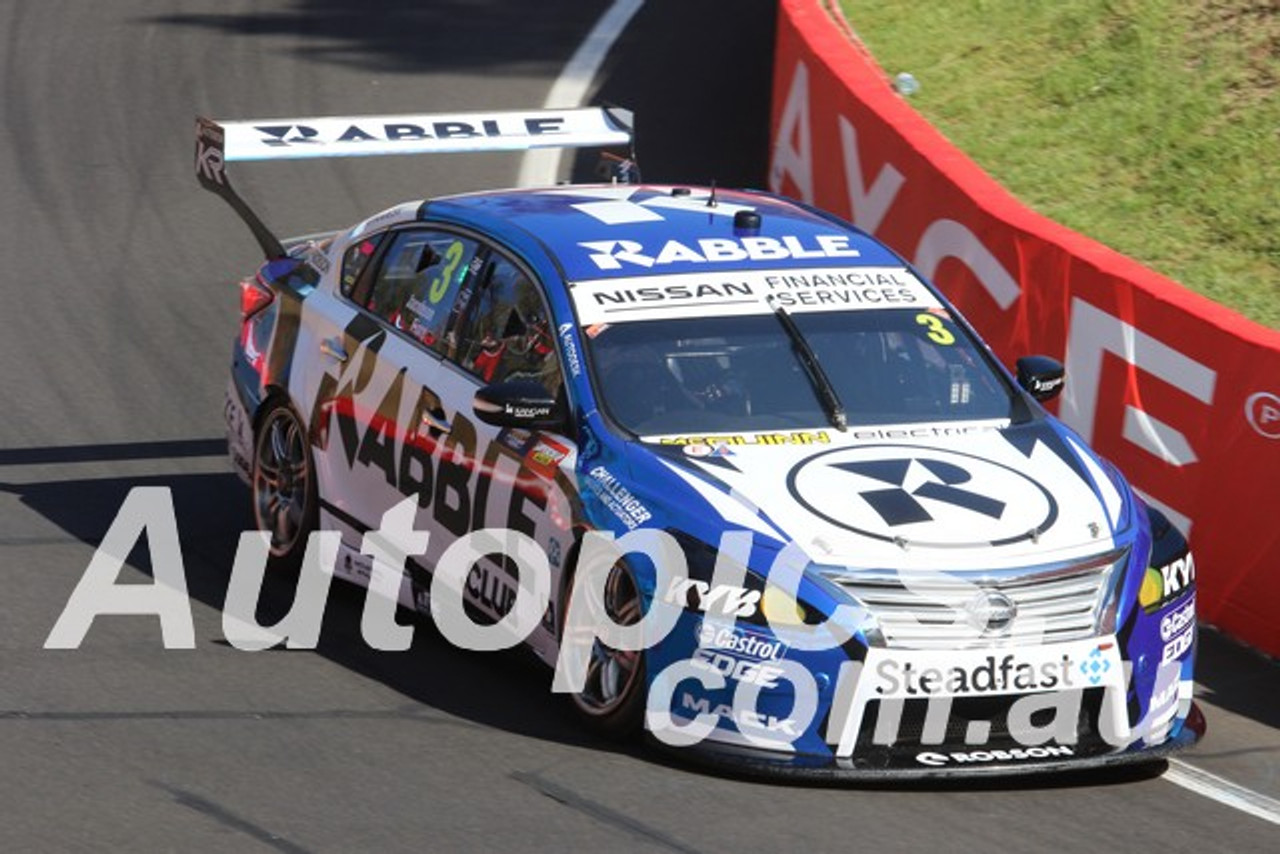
(285, 502)
(612, 700)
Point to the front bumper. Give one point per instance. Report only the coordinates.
(750, 763)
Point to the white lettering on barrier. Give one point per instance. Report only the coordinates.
(794, 161)
(946, 238)
(867, 207)
(1092, 333)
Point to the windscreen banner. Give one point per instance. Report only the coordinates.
(1182, 394)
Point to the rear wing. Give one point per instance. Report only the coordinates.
(219, 143)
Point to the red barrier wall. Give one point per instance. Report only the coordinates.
(1181, 393)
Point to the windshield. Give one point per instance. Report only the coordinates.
(702, 375)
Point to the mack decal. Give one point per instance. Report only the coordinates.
(744, 718)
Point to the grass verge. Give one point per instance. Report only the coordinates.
(1152, 126)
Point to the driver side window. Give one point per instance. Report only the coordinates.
(506, 334)
(423, 282)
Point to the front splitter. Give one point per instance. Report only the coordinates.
(764, 765)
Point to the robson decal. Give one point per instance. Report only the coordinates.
(1017, 754)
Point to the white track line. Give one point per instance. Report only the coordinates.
(1223, 791)
(540, 167)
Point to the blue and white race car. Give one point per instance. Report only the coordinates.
(815, 526)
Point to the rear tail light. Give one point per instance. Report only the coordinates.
(254, 297)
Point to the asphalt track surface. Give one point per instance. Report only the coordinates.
(119, 306)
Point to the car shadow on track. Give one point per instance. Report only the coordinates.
(506, 690)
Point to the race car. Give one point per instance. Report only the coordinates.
(791, 515)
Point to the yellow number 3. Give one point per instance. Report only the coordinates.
(440, 284)
(938, 333)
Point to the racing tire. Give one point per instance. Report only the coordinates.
(612, 702)
(285, 499)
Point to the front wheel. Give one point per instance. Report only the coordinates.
(285, 501)
(612, 702)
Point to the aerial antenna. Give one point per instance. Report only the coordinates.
(712, 201)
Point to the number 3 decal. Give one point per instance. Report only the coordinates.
(938, 333)
(440, 284)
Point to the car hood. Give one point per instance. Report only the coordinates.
(985, 495)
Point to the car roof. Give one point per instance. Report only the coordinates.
(620, 230)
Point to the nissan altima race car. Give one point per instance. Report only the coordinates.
(790, 513)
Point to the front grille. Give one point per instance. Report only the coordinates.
(1061, 602)
(991, 714)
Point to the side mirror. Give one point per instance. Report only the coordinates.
(519, 403)
(1041, 376)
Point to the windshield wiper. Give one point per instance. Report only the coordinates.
(821, 384)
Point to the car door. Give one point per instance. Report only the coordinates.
(520, 479)
(378, 418)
